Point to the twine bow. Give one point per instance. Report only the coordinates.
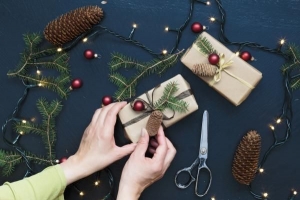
(150, 107)
(223, 64)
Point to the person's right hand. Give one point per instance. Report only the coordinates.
(139, 171)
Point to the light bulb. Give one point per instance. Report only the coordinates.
(295, 193)
(85, 39)
(21, 132)
(212, 19)
(278, 121)
(81, 193)
(59, 49)
(38, 72)
(261, 170)
(272, 127)
(134, 25)
(167, 29)
(24, 121)
(265, 194)
(208, 3)
(164, 52)
(282, 41)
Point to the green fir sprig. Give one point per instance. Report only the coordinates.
(168, 100)
(293, 63)
(127, 86)
(205, 46)
(31, 59)
(46, 129)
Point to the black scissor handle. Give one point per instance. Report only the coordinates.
(191, 177)
(204, 166)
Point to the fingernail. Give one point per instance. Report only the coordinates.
(144, 131)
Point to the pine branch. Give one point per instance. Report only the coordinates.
(49, 112)
(295, 83)
(8, 161)
(126, 87)
(168, 100)
(205, 46)
(29, 59)
(294, 54)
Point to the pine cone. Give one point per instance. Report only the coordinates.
(204, 69)
(154, 122)
(72, 24)
(246, 158)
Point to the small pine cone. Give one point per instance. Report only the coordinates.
(72, 24)
(204, 69)
(154, 122)
(246, 158)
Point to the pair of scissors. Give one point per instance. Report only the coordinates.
(200, 161)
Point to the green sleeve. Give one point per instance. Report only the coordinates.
(48, 184)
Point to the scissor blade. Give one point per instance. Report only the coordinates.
(203, 141)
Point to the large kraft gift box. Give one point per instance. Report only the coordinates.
(236, 82)
(134, 121)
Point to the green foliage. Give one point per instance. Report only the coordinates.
(168, 100)
(126, 86)
(205, 46)
(293, 63)
(8, 161)
(31, 59)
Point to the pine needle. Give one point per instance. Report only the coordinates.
(126, 87)
(205, 46)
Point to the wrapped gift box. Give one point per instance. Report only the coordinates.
(237, 81)
(134, 121)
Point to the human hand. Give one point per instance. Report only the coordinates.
(97, 149)
(139, 171)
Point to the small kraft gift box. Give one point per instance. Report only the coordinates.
(133, 121)
(222, 69)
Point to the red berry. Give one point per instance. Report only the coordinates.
(89, 54)
(246, 56)
(106, 100)
(197, 27)
(76, 83)
(138, 106)
(213, 58)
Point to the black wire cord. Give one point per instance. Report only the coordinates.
(287, 110)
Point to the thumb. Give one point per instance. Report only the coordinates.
(142, 145)
(126, 149)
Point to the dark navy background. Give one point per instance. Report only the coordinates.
(264, 22)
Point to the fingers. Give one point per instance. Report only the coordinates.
(95, 116)
(170, 154)
(162, 149)
(153, 145)
(103, 114)
(126, 149)
(142, 145)
(111, 117)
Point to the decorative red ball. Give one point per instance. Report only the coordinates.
(89, 54)
(63, 160)
(197, 27)
(106, 100)
(138, 106)
(246, 56)
(76, 83)
(213, 58)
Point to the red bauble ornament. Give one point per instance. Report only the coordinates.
(106, 100)
(63, 160)
(76, 83)
(138, 106)
(89, 54)
(246, 56)
(213, 58)
(197, 27)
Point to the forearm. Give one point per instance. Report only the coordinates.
(128, 193)
(49, 184)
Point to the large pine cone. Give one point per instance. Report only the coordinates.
(246, 158)
(154, 122)
(204, 69)
(72, 24)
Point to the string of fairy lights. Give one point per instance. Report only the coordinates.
(285, 116)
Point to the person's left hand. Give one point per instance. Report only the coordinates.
(97, 149)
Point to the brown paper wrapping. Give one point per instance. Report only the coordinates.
(133, 132)
(231, 88)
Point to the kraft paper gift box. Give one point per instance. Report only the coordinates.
(236, 81)
(134, 121)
